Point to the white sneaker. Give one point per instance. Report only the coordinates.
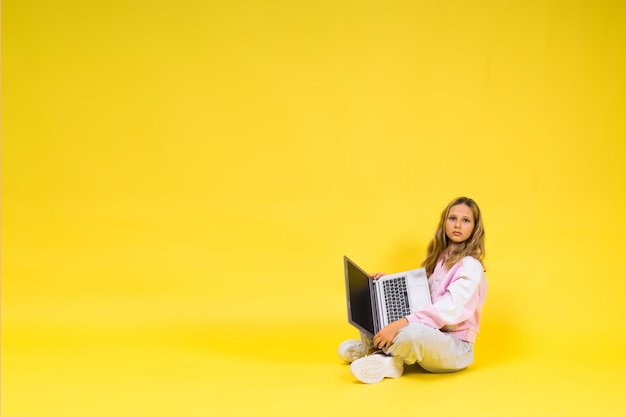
(373, 368)
(351, 350)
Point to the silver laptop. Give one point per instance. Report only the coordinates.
(374, 303)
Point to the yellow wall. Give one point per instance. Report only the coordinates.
(163, 160)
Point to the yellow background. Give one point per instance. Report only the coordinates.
(180, 181)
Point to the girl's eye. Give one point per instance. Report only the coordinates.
(452, 218)
(466, 220)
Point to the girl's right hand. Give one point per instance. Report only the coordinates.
(377, 275)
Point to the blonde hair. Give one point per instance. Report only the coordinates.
(474, 246)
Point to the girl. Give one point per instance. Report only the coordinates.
(439, 337)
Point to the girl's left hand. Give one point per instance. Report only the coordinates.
(384, 338)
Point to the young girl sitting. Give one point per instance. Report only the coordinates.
(438, 337)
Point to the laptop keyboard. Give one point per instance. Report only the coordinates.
(396, 299)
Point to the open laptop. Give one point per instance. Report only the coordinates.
(374, 303)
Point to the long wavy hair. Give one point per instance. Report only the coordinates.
(474, 246)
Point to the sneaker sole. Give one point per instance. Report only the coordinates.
(374, 368)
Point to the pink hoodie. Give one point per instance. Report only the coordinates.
(457, 299)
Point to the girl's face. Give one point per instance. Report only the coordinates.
(460, 223)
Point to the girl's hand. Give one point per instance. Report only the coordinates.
(384, 338)
(377, 275)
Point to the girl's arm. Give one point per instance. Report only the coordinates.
(460, 301)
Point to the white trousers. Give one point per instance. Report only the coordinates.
(432, 349)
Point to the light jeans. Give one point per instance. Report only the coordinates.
(432, 349)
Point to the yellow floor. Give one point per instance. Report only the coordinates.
(188, 365)
(125, 313)
(180, 354)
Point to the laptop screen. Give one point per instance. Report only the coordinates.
(359, 298)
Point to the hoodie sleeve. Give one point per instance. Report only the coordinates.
(459, 301)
